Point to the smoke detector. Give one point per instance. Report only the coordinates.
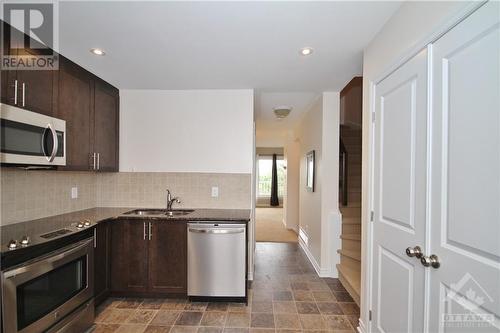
(282, 112)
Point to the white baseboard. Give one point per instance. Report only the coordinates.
(361, 328)
(317, 268)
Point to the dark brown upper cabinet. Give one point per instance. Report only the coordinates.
(33, 90)
(75, 106)
(106, 126)
(88, 104)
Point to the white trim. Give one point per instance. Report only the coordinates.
(431, 38)
(367, 230)
(317, 268)
(361, 328)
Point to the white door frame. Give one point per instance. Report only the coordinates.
(368, 146)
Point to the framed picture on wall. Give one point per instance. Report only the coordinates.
(310, 171)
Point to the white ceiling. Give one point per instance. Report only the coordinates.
(209, 45)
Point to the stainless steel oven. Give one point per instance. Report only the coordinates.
(44, 292)
(30, 138)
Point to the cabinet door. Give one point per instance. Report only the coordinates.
(37, 91)
(106, 101)
(129, 253)
(7, 86)
(102, 250)
(168, 257)
(75, 96)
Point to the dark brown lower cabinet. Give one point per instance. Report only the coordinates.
(129, 256)
(168, 257)
(148, 257)
(102, 248)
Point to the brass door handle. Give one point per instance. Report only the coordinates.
(414, 252)
(431, 260)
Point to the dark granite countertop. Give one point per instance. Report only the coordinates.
(38, 227)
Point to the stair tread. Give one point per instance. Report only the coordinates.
(351, 237)
(356, 255)
(352, 276)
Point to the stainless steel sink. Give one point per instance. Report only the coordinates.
(159, 212)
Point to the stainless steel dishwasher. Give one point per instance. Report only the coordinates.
(217, 260)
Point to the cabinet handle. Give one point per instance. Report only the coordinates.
(24, 93)
(144, 236)
(98, 160)
(95, 237)
(93, 161)
(15, 92)
(150, 233)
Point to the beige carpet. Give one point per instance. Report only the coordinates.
(270, 228)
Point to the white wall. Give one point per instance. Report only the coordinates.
(407, 31)
(319, 215)
(330, 215)
(291, 199)
(310, 136)
(186, 131)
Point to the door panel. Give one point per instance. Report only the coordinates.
(129, 253)
(40, 90)
(400, 163)
(106, 126)
(465, 176)
(101, 262)
(75, 95)
(168, 257)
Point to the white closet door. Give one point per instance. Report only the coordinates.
(465, 175)
(400, 197)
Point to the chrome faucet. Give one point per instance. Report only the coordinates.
(170, 200)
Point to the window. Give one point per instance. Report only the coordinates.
(264, 176)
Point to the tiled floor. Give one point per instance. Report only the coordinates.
(286, 296)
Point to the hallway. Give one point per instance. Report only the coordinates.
(286, 295)
(269, 226)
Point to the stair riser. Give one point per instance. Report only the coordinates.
(350, 211)
(350, 263)
(355, 296)
(351, 245)
(351, 229)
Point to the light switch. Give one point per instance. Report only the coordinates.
(215, 191)
(74, 192)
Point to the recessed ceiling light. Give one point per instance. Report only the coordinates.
(98, 52)
(306, 51)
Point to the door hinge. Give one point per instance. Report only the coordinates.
(371, 216)
(370, 315)
(373, 117)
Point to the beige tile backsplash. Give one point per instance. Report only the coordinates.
(28, 195)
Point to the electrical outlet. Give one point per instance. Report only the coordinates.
(215, 191)
(74, 192)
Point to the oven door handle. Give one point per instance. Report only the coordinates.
(45, 264)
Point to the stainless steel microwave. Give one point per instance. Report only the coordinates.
(31, 139)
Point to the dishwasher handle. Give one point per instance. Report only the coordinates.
(217, 231)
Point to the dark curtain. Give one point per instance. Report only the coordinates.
(274, 184)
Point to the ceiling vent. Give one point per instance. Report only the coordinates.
(282, 112)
